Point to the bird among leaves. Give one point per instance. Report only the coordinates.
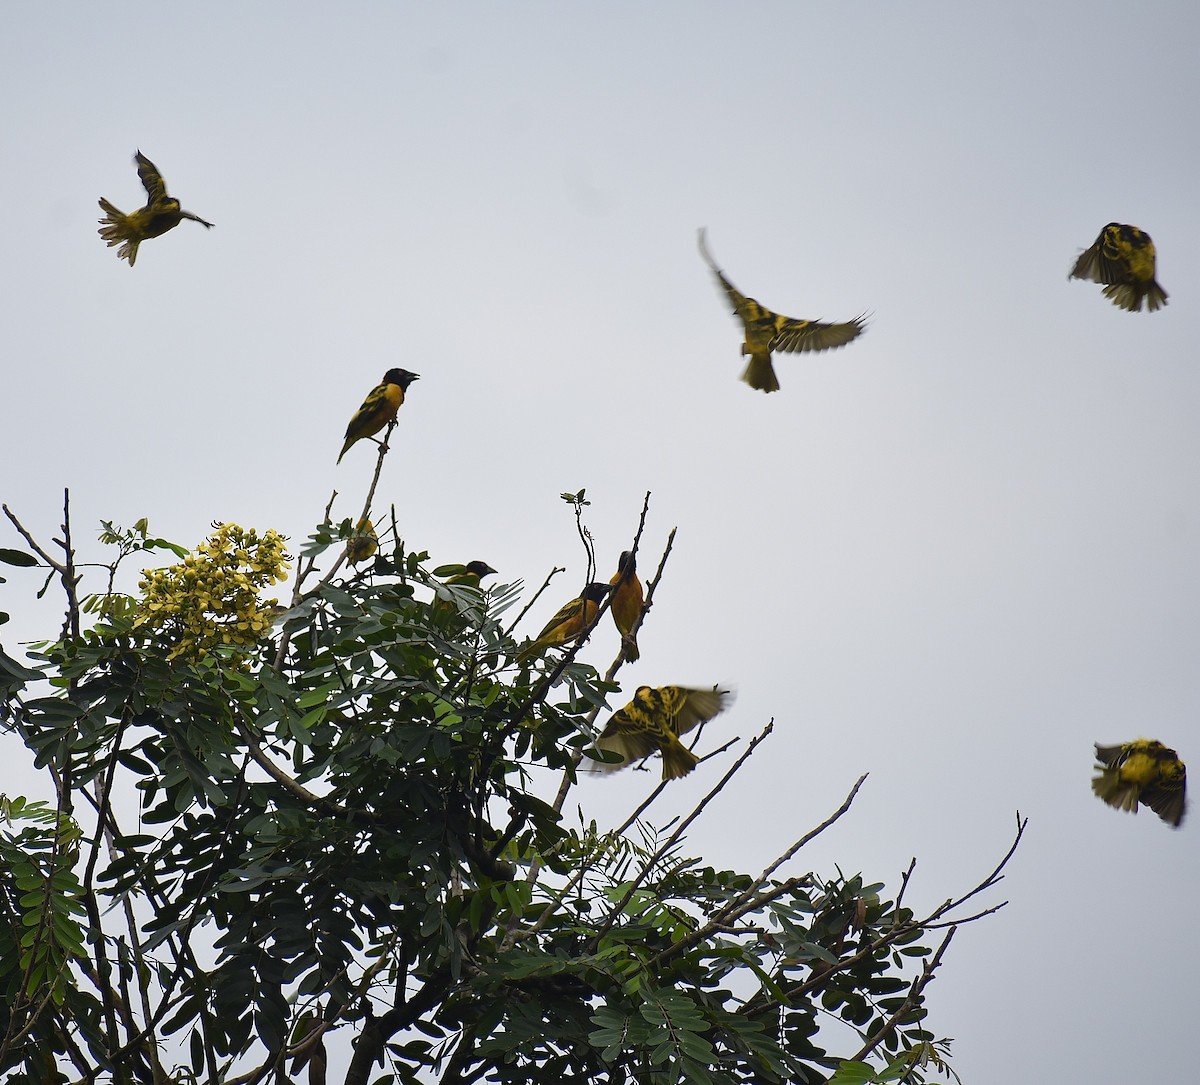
(1143, 771)
(461, 576)
(161, 213)
(767, 331)
(569, 622)
(654, 720)
(1123, 258)
(379, 408)
(363, 544)
(627, 602)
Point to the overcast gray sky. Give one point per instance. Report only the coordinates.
(953, 554)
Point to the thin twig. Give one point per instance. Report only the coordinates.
(918, 985)
(674, 837)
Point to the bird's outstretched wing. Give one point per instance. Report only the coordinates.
(793, 336)
(156, 187)
(746, 311)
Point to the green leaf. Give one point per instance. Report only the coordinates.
(852, 1073)
(18, 558)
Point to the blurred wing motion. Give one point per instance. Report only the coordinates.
(568, 623)
(767, 331)
(654, 720)
(161, 213)
(1145, 772)
(379, 408)
(1123, 258)
(627, 602)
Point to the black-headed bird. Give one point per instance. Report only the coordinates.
(472, 573)
(463, 576)
(161, 213)
(627, 602)
(1143, 771)
(569, 622)
(379, 408)
(767, 331)
(1123, 258)
(654, 720)
(363, 544)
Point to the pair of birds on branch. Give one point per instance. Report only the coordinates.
(574, 618)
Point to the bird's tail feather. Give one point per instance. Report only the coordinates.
(115, 229)
(678, 760)
(1130, 295)
(760, 373)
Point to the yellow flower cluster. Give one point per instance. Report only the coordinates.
(210, 599)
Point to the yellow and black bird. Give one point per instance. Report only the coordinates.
(161, 213)
(363, 544)
(1123, 258)
(654, 720)
(463, 576)
(767, 331)
(379, 408)
(1143, 771)
(627, 602)
(472, 573)
(569, 622)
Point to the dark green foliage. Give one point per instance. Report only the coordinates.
(341, 840)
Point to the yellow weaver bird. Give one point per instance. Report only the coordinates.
(363, 544)
(767, 331)
(473, 572)
(161, 213)
(569, 622)
(627, 602)
(379, 408)
(654, 720)
(1145, 772)
(465, 576)
(1123, 258)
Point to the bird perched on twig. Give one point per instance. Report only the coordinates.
(161, 213)
(1143, 771)
(627, 602)
(767, 331)
(568, 623)
(379, 408)
(654, 720)
(1123, 258)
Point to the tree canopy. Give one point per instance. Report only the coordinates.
(315, 841)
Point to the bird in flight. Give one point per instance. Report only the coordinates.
(1143, 771)
(767, 331)
(654, 720)
(161, 213)
(1123, 258)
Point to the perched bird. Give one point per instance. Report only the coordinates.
(767, 331)
(379, 408)
(1123, 257)
(569, 623)
(161, 213)
(473, 572)
(363, 544)
(627, 602)
(654, 720)
(465, 576)
(1146, 772)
